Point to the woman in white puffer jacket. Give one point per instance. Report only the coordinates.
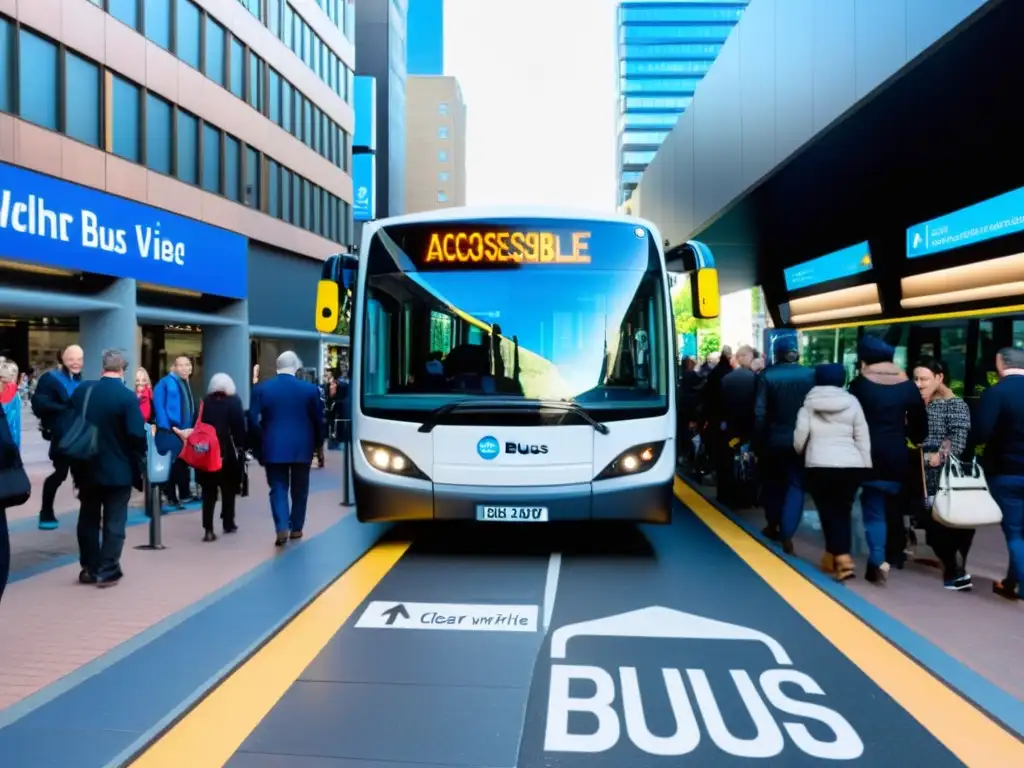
(832, 434)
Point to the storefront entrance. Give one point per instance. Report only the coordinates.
(34, 343)
(161, 344)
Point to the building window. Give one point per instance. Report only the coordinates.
(252, 178)
(37, 80)
(237, 73)
(158, 134)
(126, 11)
(126, 109)
(255, 8)
(442, 176)
(442, 108)
(82, 99)
(187, 32)
(442, 131)
(274, 97)
(307, 205)
(232, 169)
(255, 82)
(288, 29)
(442, 155)
(211, 159)
(307, 121)
(296, 200)
(158, 22)
(188, 147)
(286, 195)
(286, 105)
(6, 52)
(441, 197)
(273, 189)
(315, 223)
(215, 41)
(274, 17)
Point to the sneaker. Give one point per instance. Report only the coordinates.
(877, 574)
(48, 523)
(959, 584)
(282, 538)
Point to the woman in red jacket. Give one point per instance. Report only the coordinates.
(144, 391)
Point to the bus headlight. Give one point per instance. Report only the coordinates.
(390, 460)
(633, 461)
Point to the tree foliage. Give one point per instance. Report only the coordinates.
(682, 310)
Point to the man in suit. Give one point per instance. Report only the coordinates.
(286, 418)
(106, 480)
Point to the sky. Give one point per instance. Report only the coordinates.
(538, 78)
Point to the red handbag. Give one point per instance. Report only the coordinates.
(202, 448)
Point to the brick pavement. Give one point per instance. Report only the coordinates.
(50, 625)
(978, 628)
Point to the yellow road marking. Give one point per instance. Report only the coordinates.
(965, 730)
(213, 731)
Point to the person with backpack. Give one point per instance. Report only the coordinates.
(51, 404)
(218, 468)
(105, 446)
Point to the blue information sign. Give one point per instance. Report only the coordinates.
(843, 263)
(365, 106)
(995, 217)
(48, 221)
(364, 205)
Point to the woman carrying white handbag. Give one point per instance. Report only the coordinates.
(950, 529)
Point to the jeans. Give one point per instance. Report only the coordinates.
(50, 486)
(782, 483)
(109, 506)
(5, 551)
(833, 491)
(285, 480)
(1008, 491)
(879, 503)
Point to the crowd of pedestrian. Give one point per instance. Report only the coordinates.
(771, 434)
(108, 437)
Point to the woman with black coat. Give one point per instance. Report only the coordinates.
(222, 410)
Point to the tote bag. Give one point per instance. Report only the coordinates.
(963, 499)
(158, 465)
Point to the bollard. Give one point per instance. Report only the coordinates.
(151, 494)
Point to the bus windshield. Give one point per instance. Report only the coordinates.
(564, 310)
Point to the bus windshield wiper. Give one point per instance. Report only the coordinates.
(437, 415)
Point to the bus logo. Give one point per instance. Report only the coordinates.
(488, 448)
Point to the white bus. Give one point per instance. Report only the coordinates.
(513, 366)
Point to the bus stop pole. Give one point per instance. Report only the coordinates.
(151, 498)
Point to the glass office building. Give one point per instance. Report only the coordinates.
(664, 49)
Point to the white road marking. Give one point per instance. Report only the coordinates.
(551, 587)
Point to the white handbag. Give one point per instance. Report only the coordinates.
(963, 499)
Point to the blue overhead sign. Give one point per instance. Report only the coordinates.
(843, 263)
(364, 201)
(996, 217)
(59, 224)
(364, 100)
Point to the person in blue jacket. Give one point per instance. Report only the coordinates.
(174, 411)
(286, 421)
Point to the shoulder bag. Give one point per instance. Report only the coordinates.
(81, 441)
(963, 499)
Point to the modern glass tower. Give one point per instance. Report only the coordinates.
(664, 49)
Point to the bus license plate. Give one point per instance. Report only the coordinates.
(512, 514)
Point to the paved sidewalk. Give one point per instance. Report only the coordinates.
(50, 625)
(980, 629)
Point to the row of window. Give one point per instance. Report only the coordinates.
(693, 58)
(199, 40)
(657, 102)
(667, 15)
(671, 85)
(64, 92)
(292, 30)
(695, 32)
(642, 157)
(631, 177)
(649, 120)
(644, 138)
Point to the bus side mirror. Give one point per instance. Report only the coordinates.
(704, 286)
(335, 292)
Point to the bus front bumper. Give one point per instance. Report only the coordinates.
(380, 502)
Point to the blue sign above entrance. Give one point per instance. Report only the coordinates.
(843, 263)
(995, 217)
(59, 224)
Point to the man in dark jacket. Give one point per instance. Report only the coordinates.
(781, 390)
(106, 480)
(999, 426)
(895, 413)
(735, 423)
(51, 404)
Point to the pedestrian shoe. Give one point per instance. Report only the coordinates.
(296, 534)
(85, 577)
(787, 546)
(771, 532)
(877, 574)
(828, 563)
(960, 583)
(48, 524)
(1005, 590)
(845, 569)
(230, 528)
(282, 538)
(210, 536)
(109, 581)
